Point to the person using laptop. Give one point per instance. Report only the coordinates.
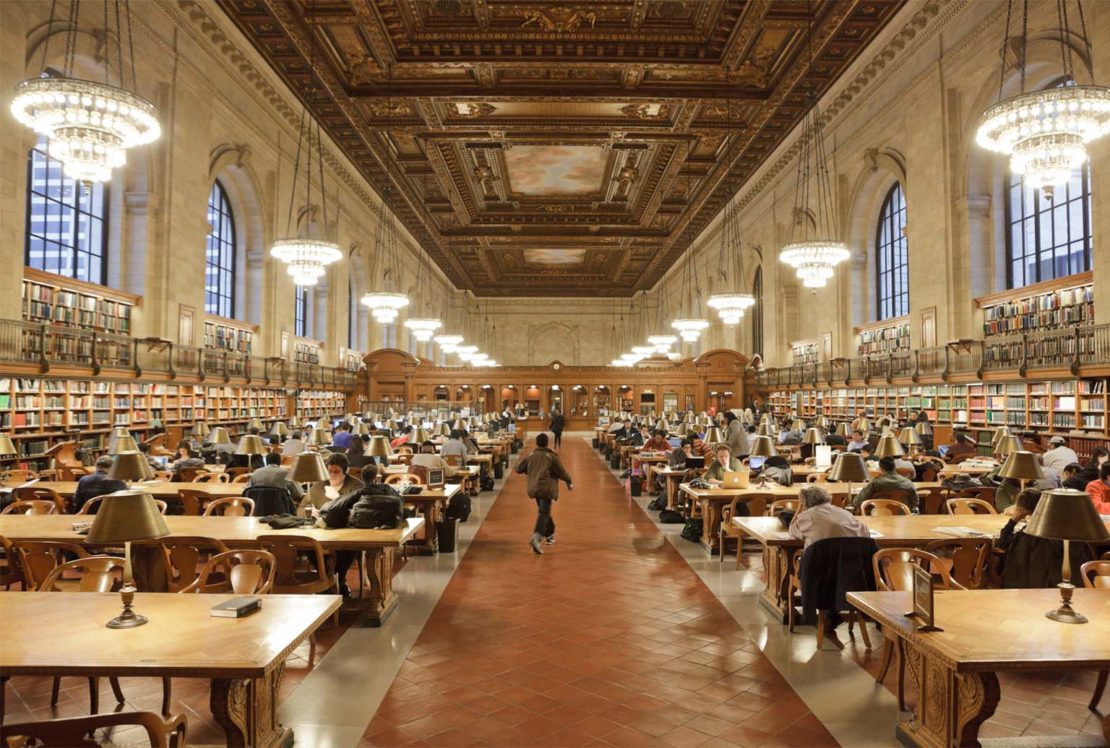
(723, 462)
(657, 443)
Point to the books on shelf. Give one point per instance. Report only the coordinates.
(804, 352)
(63, 301)
(886, 339)
(224, 335)
(1044, 311)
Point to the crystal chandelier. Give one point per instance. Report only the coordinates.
(306, 259)
(621, 362)
(813, 251)
(422, 328)
(466, 352)
(1045, 133)
(90, 125)
(729, 303)
(643, 351)
(690, 328)
(631, 358)
(448, 343)
(384, 305)
(662, 343)
(731, 306)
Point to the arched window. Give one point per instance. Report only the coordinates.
(219, 257)
(1049, 236)
(67, 222)
(757, 312)
(300, 312)
(892, 287)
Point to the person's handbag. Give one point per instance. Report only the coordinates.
(635, 485)
(671, 517)
(692, 530)
(378, 512)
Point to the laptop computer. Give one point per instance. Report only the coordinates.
(695, 462)
(735, 479)
(756, 463)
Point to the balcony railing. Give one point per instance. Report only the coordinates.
(1072, 348)
(47, 346)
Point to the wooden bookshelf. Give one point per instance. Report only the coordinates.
(307, 351)
(1051, 305)
(72, 303)
(314, 404)
(349, 359)
(888, 336)
(224, 334)
(804, 352)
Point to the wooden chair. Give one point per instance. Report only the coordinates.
(230, 506)
(41, 493)
(241, 572)
(794, 587)
(183, 556)
(10, 573)
(783, 505)
(98, 574)
(970, 506)
(163, 475)
(907, 473)
(894, 573)
(1096, 576)
(817, 478)
(163, 507)
(38, 558)
(757, 506)
(883, 508)
(967, 560)
(79, 472)
(193, 501)
(983, 493)
(235, 472)
(19, 475)
(242, 478)
(302, 569)
(189, 474)
(394, 478)
(931, 499)
(841, 499)
(205, 476)
(404, 451)
(31, 506)
(162, 732)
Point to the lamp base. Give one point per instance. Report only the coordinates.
(128, 619)
(1065, 613)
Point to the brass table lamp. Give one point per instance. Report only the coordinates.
(319, 437)
(798, 425)
(813, 437)
(280, 430)
(714, 436)
(379, 447)
(1006, 445)
(296, 423)
(360, 429)
(251, 444)
(121, 441)
(125, 516)
(200, 430)
(459, 425)
(254, 423)
(763, 446)
(308, 467)
(764, 429)
(219, 436)
(131, 466)
(443, 429)
(7, 447)
(1022, 466)
(888, 446)
(1000, 433)
(910, 439)
(823, 423)
(843, 429)
(420, 435)
(1067, 515)
(849, 468)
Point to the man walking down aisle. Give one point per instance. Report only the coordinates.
(544, 471)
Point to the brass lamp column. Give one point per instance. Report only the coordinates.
(1022, 466)
(910, 438)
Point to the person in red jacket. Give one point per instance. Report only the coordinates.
(1099, 490)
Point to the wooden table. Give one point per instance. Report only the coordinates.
(672, 478)
(430, 503)
(378, 546)
(157, 489)
(985, 632)
(974, 471)
(56, 634)
(648, 463)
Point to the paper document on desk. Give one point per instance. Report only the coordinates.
(962, 532)
(875, 534)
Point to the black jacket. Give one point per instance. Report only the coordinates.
(557, 422)
(337, 513)
(1032, 562)
(832, 568)
(96, 484)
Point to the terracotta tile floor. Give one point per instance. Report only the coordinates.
(608, 639)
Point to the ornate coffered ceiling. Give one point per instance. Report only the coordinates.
(549, 148)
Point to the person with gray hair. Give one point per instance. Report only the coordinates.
(819, 519)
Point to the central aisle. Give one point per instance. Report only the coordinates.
(608, 638)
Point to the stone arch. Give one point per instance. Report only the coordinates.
(882, 168)
(553, 341)
(230, 164)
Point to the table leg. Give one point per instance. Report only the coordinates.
(672, 490)
(711, 525)
(379, 570)
(950, 706)
(246, 708)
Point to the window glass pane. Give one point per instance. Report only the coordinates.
(1049, 235)
(219, 255)
(892, 248)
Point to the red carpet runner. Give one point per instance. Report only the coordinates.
(609, 638)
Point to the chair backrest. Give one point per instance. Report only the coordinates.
(242, 478)
(817, 478)
(403, 478)
(783, 505)
(183, 555)
(31, 506)
(904, 495)
(190, 474)
(931, 499)
(192, 500)
(234, 472)
(894, 568)
(969, 558)
(91, 506)
(404, 450)
(270, 500)
(301, 565)
(79, 472)
(20, 474)
(755, 502)
(830, 567)
(37, 558)
(98, 574)
(906, 472)
(453, 460)
(206, 476)
(163, 475)
(883, 508)
(985, 493)
(970, 506)
(40, 493)
(241, 572)
(839, 499)
(161, 732)
(230, 506)
(163, 507)
(10, 573)
(1096, 574)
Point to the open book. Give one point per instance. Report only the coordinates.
(962, 532)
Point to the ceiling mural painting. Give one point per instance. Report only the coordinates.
(545, 148)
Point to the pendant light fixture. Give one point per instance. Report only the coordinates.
(385, 302)
(730, 303)
(306, 258)
(422, 328)
(813, 250)
(662, 340)
(90, 125)
(690, 326)
(1045, 133)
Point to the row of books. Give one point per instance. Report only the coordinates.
(885, 339)
(1063, 308)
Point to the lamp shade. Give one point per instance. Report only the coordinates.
(200, 428)
(862, 424)
(7, 447)
(764, 429)
(713, 435)
(254, 423)
(121, 441)
(379, 447)
(1007, 444)
(360, 429)
(251, 444)
(459, 425)
(130, 466)
(391, 425)
(888, 446)
(280, 429)
(662, 425)
(219, 436)
(1021, 466)
(319, 437)
(843, 429)
(124, 516)
(308, 467)
(296, 423)
(909, 437)
(1000, 433)
(923, 428)
(421, 435)
(823, 422)
(798, 425)
(762, 446)
(812, 436)
(443, 429)
(849, 468)
(1064, 514)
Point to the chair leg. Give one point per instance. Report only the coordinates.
(863, 630)
(1100, 686)
(312, 649)
(54, 691)
(888, 657)
(94, 695)
(116, 690)
(820, 628)
(739, 548)
(790, 607)
(167, 686)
